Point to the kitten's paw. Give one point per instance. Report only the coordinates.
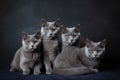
(37, 72)
(49, 71)
(26, 72)
(95, 70)
(12, 70)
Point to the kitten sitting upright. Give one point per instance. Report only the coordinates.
(50, 34)
(73, 59)
(29, 55)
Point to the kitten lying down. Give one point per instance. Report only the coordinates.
(29, 55)
(74, 60)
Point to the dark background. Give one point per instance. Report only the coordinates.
(99, 19)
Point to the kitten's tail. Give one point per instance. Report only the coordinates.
(74, 71)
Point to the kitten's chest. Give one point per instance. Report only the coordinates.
(72, 54)
(31, 57)
(50, 45)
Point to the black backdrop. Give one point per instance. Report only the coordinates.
(99, 19)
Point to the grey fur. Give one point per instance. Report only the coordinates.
(50, 53)
(50, 43)
(72, 61)
(26, 59)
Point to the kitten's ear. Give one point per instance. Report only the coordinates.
(37, 34)
(64, 30)
(57, 22)
(103, 43)
(88, 42)
(77, 28)
(24, 35)
(44, 22)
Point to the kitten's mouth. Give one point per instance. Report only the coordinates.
(70, 44)
(96, 58)
(31, 49)
(51, 37)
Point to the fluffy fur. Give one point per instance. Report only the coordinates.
(29, 55)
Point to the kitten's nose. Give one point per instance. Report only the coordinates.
(32, 46)
(50, 34)
(96, 55)
(72, 40)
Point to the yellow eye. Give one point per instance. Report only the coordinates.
(66, 35)
(91, 49)
(46, 29)
(74, 35)
(53, 29)
(28, 41)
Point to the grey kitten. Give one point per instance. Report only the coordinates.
(50, 34)
(73, 60)
(29, 55)
(72, 36)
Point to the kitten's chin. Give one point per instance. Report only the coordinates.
(50, 37)
(94, 58)
(30, 50)
(70, 44)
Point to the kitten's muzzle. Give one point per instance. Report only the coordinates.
(71, 40)
(32, 46)
(50, 34)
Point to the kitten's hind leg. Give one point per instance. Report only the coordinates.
(37, 69)
(12, 69)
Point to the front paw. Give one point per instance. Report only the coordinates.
(12, 70)
(95, 70)
(26, 72)
(37, 72)
(49, 71)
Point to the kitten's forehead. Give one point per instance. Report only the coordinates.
(30, 37)
(95, 43)
(50, 24)
(70, 29)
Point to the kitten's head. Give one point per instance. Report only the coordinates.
(50, 29)
(95, 49)
(70, 35)
(31, 42)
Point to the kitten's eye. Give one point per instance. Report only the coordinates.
(53, 29)
(34, 41)
(91, 49)
(28, 41)
(67, 35)
(74, 35)
(46, 29)
(98, 50)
